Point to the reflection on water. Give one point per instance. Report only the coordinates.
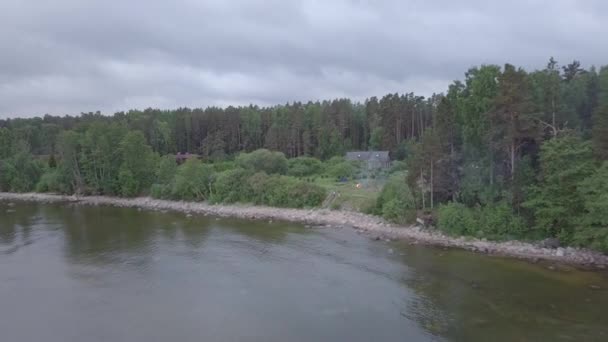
(99, 274)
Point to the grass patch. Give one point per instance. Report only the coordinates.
(349, 197)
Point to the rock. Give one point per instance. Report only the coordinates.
(551, 268)
(549, 243)
(594, 287)
(377, 238)
(560, 252)
(390, 251)
(188, 215)
(10, 210)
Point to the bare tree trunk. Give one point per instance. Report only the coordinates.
(413, 124)
(432, 185)
(553, 109)
(422, 190)
(512, 159)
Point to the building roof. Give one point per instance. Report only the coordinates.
(368, 155)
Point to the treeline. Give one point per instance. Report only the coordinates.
(318, 129)
(505, 153)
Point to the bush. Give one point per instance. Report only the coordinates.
(220, 166)
(193, 181)
(456, 219)
(497, 221)
(301, 194)
(304, 166)
(129, 185)
(342, 170)
(231, 186)
(281, 191)
(20, 173)
(166, 170)
(51, 182)
(263, 160)
(396, 202)
(285, 191)
(259, 184)
(398, 166)
(165, 177)
(592, 223)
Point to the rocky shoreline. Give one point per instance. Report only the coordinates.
(365, 224)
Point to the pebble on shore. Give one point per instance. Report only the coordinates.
(362, 223)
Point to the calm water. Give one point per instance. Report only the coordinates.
(71, 273)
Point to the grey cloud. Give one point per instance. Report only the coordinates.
(68, 56)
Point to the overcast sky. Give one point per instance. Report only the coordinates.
(72, 56)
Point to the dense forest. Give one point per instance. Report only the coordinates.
(505, 153)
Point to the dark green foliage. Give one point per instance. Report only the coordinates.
(457, 219)
(51, 181)
(342, 170)
(193, 181)
(600, 118)
(592, 223)
(20, 173)
(304, 166)
(555, 201)
(396, 202)
(376, 138)
(52, 161)
(283, 191)
(138, 164)
(263, 160)
(231, 186)
(398, 166)
(496, 221)
(165, 177)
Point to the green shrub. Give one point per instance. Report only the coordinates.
(342, 170)
(396, 202)
(220, 166)
(20, 173)
(51, 182)
(304, 166)
(260, 183)
(456, 219)
(284, 191)
(398, 166)
(139, 164)
(166, 170)
(301, 194)
(497, 221)
(592, 223)
(193, 181)
(129, 185)
(263, 160)
(231, 186)
(162, 191)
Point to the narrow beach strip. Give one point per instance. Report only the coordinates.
(368, 224)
